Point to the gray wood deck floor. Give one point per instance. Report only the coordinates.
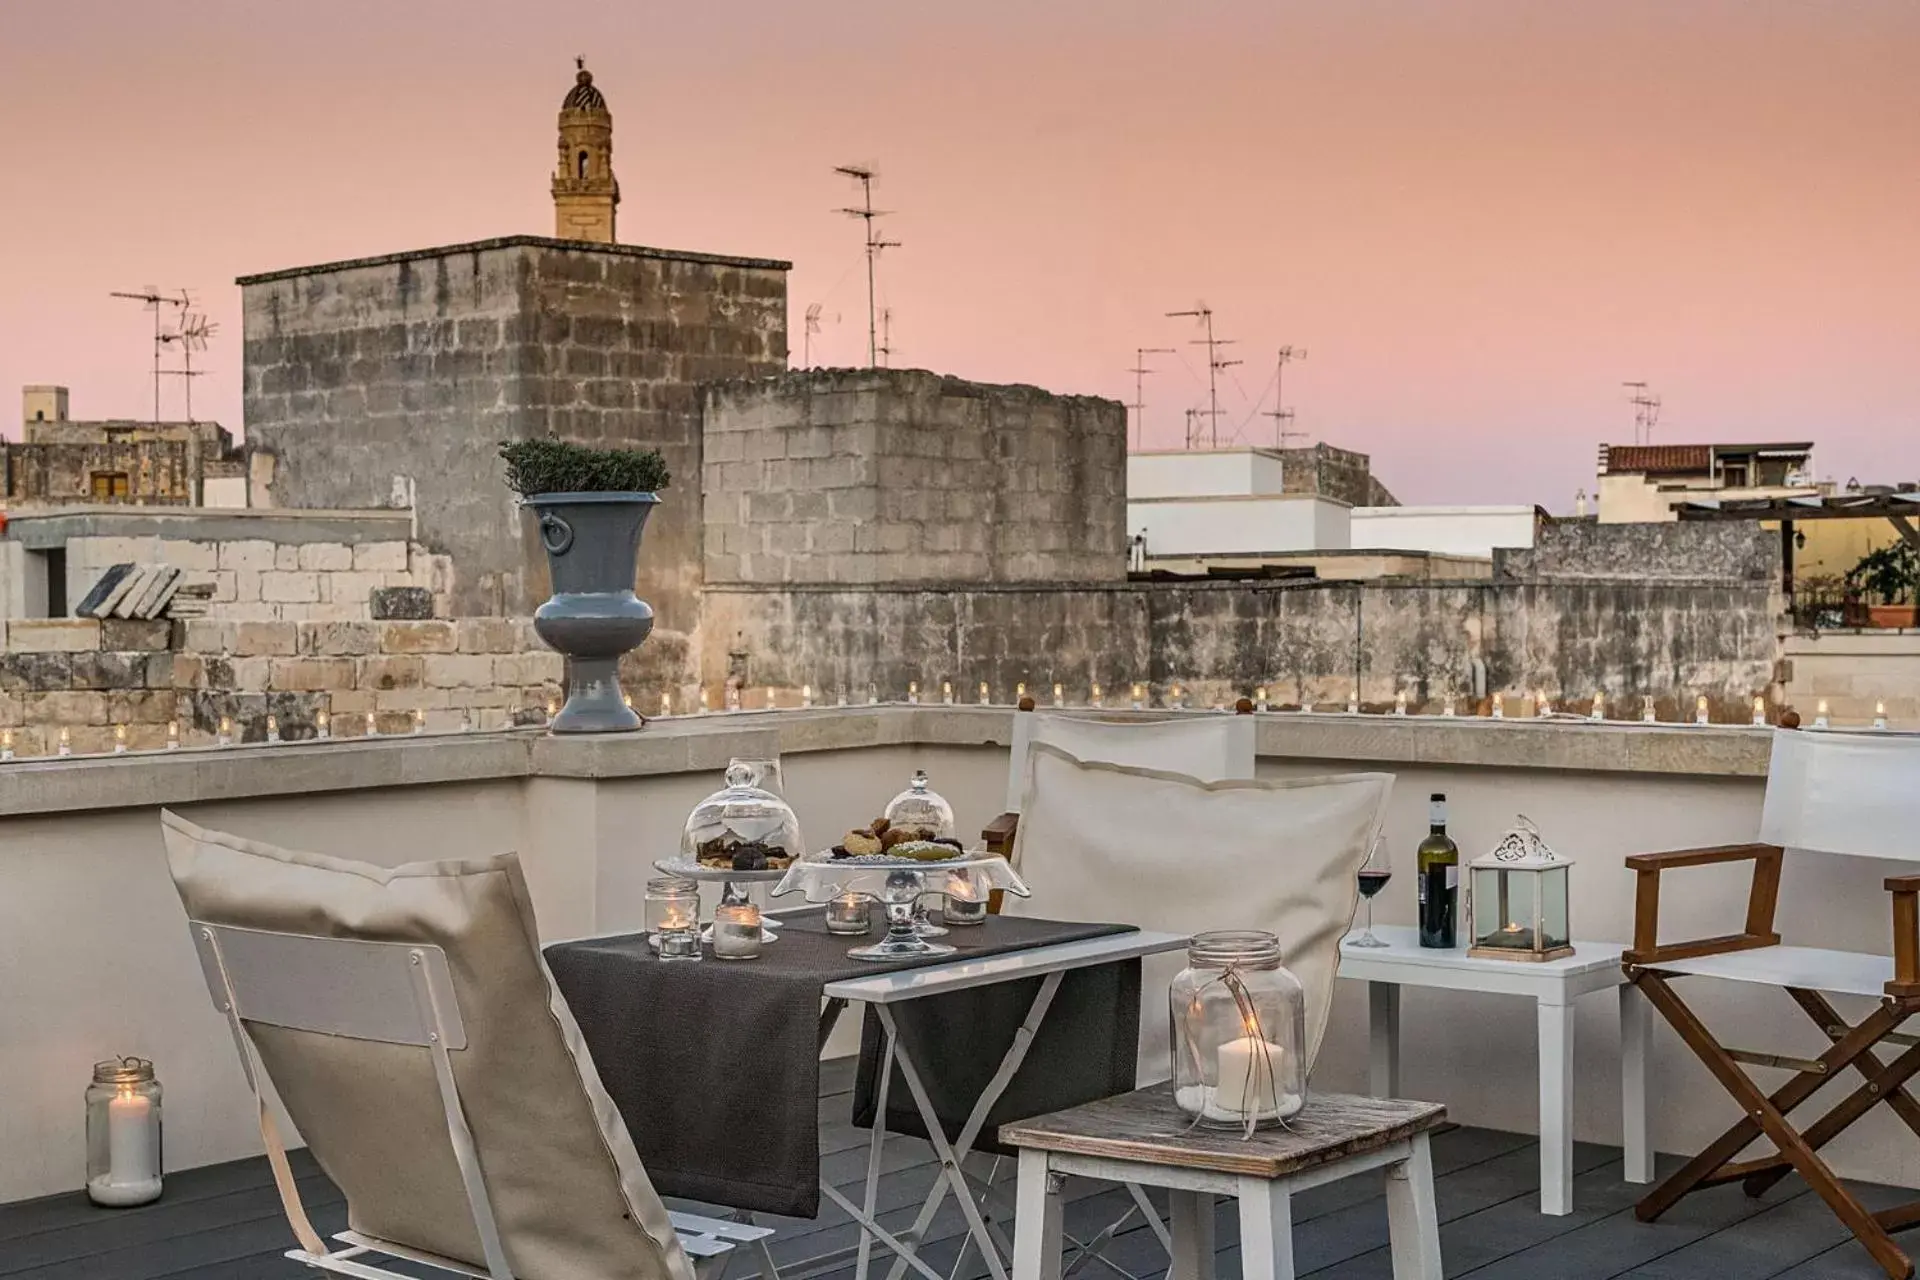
(224, 1222)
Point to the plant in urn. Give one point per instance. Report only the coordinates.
(590, 506)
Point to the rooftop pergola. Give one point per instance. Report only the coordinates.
(1898, 508)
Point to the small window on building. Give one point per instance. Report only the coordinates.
(39, 415)
(583, 164)
(1734, 475)
(110, 484)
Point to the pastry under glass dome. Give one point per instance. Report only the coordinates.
(921, 808)
(742, 827)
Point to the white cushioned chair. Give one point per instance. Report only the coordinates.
(411, 1029)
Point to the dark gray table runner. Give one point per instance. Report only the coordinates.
(715, 1066)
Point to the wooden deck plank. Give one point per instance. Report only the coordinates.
(1793, 1229)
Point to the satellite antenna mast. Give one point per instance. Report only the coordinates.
(156, 302)
(192, 336)
(1203, 313)
(806, 339)
(867, 213)
(1646, 411)
(1281, 415)
(1140, 372)
(886, 335)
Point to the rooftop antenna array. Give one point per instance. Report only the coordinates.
(1281, 415)
(1204, 314)
(192, 336)
(1139, 406)
(157, 303)
(1646, 411)
(867, 213)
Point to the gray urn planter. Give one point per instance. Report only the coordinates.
(592, 542)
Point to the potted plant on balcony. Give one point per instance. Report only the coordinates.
(1891, 576)
(590, 505)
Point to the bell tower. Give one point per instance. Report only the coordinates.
(585, 193)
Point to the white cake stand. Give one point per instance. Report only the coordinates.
(733, 886)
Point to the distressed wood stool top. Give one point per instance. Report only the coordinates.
(1146, 1127)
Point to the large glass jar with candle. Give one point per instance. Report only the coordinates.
(1239, 1032)
(123, 1133)
(920, 809)
(743, 826)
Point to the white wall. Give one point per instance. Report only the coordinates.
(1193, 473)
(1239, 526)
(223, 491)
(1453, 531)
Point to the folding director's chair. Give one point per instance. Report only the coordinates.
(1831, 793)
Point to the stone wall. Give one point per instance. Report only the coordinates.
(1857, 673)
(893, 475)
(1340, 474)
(417, 365)
(88, 676)
(256, 580)
(1585, 550)
(1313, 641)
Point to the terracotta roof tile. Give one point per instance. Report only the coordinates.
(1660, 459)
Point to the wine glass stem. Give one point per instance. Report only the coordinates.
(1369, 917)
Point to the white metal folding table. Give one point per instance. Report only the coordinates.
(885, 990)
(1554, 986)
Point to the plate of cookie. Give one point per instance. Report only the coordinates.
(882, 843)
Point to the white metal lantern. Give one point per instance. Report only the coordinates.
(1518, 897)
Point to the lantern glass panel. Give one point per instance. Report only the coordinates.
(1554, 929)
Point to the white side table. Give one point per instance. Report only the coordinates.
(1554, 985)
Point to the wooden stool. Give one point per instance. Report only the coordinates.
(1142, 1138)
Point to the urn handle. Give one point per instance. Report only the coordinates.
(556, 535)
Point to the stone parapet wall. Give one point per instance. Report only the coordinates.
(89, 676)
(259, 580)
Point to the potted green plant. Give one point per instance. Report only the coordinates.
(1890, 576)
(590, 505)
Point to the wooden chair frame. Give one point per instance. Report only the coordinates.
(1852, 1046)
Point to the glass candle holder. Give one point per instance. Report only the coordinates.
(1239, 1029)
(960, 911)
(123, 1133)
(673, 918)
(850, 913)
(736, 931)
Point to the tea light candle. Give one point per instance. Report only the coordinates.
(913, 692)
(736, 931)
(1820, 715)
(850, 913)
(873, 694)
(322, 725)
(1647, 714)
(1139, 697)
(1879, 715)
(704, 707)
(1599, 711)
(1450, 708)
(984, 698)
(1176, 696)
(773, 699)
(1260, 698)
(1499, 707)
(666, 704)
(6, 744)
(1095, 695)
(1059, 696)
(626, 699)
(119, 739)
(372, 726)
(1400, 703)
(1541, 707)
(273, 728)
(1759, 709)
(466, 719)
(1019, 692)
(1353, 701)
(225, 734)
(806, 695)
(1700, 709)
(946, 691)
(66, 743)
(420, 719)
(553, 709)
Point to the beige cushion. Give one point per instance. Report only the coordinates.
(568, 1192)
(1172, 853)
(1210, 748)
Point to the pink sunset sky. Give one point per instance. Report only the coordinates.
(1478, 216)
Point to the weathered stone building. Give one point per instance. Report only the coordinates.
(60, 461)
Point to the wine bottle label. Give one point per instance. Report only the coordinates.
(1453, 876)
(1437, 813)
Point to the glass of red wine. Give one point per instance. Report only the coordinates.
(1374, 874)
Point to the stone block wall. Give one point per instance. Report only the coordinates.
(258, 580)
(1340, 474)
(1312, 642)
(418, 364)
(899, 475)
(88, 676)
(1586, 550)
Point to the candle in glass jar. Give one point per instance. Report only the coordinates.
(736, 931)
(132, 1159)
(1247, 1070)
(850, 913)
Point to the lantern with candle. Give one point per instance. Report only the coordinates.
(1239, 1029)
(1518, 898)
(673, 918)
(123, 1133)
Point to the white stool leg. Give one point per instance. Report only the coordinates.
(1036, 1220)
(1636, 1029)
(1413, 1224)
(1193, 1243)
(1383, 1039)
(1556, 1108)
(1266, 1229)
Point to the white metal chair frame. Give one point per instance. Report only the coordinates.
(390, 993)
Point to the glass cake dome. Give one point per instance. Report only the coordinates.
(742, 827)
(922, 809)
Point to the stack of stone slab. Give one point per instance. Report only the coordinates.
(132, 591)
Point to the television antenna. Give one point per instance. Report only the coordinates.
(157, 303)
(1204, 314)
(867, 213)
(886, 335)
(1646, 411)
(1139, 406)
(192, 336)
(806, 338)
(1281, 415)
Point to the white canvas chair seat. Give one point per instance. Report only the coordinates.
(411, 1030)
(1853, 794)
(1166, 851)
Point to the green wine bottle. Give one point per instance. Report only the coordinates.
(1439, 879)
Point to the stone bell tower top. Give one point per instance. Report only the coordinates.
(585, 192)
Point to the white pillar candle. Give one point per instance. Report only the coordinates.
(131, 1156)
(1247, 1071)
